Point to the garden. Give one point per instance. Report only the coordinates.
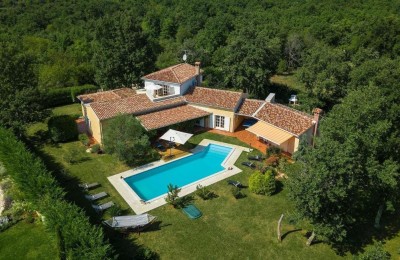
(236, 222)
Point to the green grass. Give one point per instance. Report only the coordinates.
(27, 241)
(289, 80)
(229, 228)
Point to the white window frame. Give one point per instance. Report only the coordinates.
(220, 122)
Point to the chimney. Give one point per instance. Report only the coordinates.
(317, 112)
(198, 75)
(270, 98)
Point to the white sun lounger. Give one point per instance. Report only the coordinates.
(102, 207)
(133, 221)
(96, 196)
(88, 186)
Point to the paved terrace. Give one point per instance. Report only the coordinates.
(244, 136)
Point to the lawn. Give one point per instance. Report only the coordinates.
(27, 241)
(229, 228)
(289, 80)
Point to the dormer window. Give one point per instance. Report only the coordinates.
(163, 91)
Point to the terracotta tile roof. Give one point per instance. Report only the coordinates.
(136, 105)
(171, 116)
(249, 106)
(174, 74)
(214, 97)
(286, 118)
(107, 95)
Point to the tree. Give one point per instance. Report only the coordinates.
(125, 137)
(249, 60)
(173, 195)
(293, 51)
(325, 72)
(354, 169)
(20, 101)
(123, 53)
(62, 128)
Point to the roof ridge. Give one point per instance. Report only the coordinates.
(258, 109)
(176, 76)
(293, 110)
(218, 89)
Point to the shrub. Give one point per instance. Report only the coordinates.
(81, 239)
(204, 192)
(95, 148)
(172, 196)
(273, 161)
(62, 128)
(237, 193)
(263, 184)
(374, 253)
(273, 150)
(64, 96)
(72, 155)
(84, 139)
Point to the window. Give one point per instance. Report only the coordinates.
(165, 90)
(220, 121)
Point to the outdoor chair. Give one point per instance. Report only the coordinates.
(235, 183)
(160, 147)
(249, 164)
(87, 186)
(96, 196)
(256, 158)
(102, 207)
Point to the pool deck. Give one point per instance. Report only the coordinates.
(140, 206)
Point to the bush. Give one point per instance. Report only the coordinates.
(263, 184)
(204, 192)
(72, 155)
(172, 196)
(64, 96)
(81, 240)
(376, 252)
(95, 148)
(84, 139)
(273, 150)
(62, 128)
(237, 193)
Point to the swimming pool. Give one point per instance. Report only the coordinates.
(153, 183)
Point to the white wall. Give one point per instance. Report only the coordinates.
(187, 84)
(173, 90)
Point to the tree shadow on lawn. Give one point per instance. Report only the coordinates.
(364, 234)
(279, 187)
(124, 246)
(289, 232)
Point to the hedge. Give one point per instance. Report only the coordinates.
(62, 128)
(80, 239)
(64, 96)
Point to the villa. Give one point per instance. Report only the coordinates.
(173, 95)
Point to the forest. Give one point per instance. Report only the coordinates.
(345, 53)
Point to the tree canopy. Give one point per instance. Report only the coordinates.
(354, 171)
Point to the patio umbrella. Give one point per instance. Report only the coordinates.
(176, 136)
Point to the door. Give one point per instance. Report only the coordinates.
(220, 122)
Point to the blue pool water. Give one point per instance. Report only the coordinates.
(153, 183)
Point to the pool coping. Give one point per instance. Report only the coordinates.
(139, 206)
